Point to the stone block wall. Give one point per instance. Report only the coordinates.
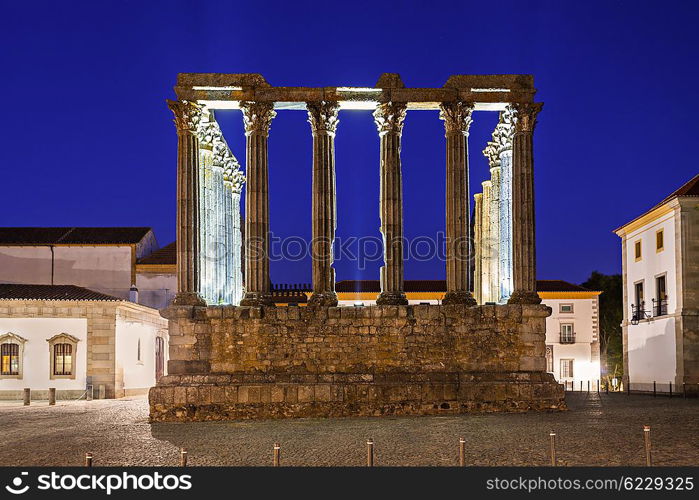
(245, 362)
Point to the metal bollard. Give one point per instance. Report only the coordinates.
(598, 388)
(462, 452)
(88, 393)
(646, 440)
(588, 387)
(606, 387)
(88, 459)
(183, 457)
(552, 438)
(628, 389)
(684, 390)
(370, 452)
(27, 396)
(654, 391)
(52, 396)
(670, 389)
(276, 455)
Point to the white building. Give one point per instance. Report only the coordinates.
(660, 262)
(72, 339)
(572, 330)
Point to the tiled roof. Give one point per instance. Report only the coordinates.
(71, 235)
(164, 256)
(441, 286)
(51, 292)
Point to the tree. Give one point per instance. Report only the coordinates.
(611, 311)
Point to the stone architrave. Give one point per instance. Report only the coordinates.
(323, 117)
(523, 220)
(389, 118)
(257, 117)
(188, 116)
(457, 121)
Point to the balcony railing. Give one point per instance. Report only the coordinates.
(567, 338)
(659, 307)
(638, 313)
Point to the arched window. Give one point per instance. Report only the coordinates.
(62, 353)
(11, 355)
(138, 351)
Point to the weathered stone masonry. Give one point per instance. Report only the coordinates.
(240, 362)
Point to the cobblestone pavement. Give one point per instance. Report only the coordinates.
(598, 430)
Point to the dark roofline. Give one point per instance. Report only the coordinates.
(41, 236)
(688, 189)
(12, 291)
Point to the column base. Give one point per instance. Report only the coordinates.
(524, 297)
(323, 299)
(188, 299)
(391, 299)
(459, 297)
(257, 299)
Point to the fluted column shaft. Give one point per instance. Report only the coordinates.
(523, 220)
(389, 119)
(187, 119)
(477, 245)
(257, 117)
(457, 121)
(323, 117)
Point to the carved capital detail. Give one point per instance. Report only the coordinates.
(257, 117)
(389, 117)
(323, 116)
(188, 116)
(457, 116)
(526, 114)
(492, 153)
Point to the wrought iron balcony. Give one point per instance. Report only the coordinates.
(659, 307)
(638, 313)
(567, 338)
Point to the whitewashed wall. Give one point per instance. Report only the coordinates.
(36, 358)
(135, 374)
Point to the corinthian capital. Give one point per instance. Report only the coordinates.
(505, 130)
(322, 115)
(492, 153)
(188, 115)
(456, 116)
(389, 117)
(257, 117)
(525, 114)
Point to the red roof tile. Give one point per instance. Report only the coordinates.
(71, 235)
(51, 292)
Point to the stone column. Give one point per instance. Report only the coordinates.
(323, 119)
(477, 238)
(187, 118)
(503, 136)
(523, 232)
(493, 209)
(257, 117)
(457, 121)
(486, 248)
(389, 117)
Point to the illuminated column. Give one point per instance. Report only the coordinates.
(494, 219)
(389, 117)
(523, 232)
(486, 255)
(187, 119)
(503, 136)
(323, 119)
(457, 121)
(257, 117)
(206, 159)
(477, 242)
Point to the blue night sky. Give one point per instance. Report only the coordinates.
(87, 139)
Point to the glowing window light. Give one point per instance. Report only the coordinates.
(216, 88)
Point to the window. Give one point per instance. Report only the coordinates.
(10, 358)
(11, 355)
(637, 250)
(638, 307)
(62, 359)
(659, 241)
(63, 349)
(565, 308)
(138, 351)
(566, 368)
(660, 301)
(549, 358)
(567, 333)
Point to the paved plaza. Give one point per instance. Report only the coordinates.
(598, 430)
